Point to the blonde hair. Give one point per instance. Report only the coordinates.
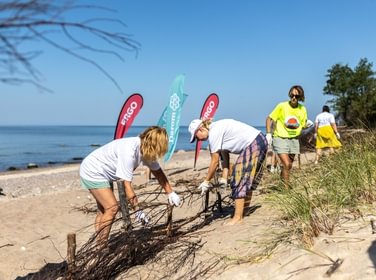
(206, 123)
(154, 143)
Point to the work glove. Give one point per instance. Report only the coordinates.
(204, 187)
(338, 136)
(269, 138)
(309, 123)
(141, 217)
(173, 199)
(222, 183)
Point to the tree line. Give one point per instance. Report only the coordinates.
(354, 93)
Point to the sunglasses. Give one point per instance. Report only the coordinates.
(296, 96)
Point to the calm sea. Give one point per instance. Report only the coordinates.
(57, 145)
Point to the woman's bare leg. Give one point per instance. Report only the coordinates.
(107, 209)
(318, 154)
(98, 218)
(238, 214)
(286, 161)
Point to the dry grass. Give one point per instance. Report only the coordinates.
(320, 195)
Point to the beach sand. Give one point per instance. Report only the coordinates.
(40, 208)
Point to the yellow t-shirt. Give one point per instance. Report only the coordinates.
(289, 121)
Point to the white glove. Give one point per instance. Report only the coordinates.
(141, 217)
(173, 199)
(309, 123)
(269, 138)
(222, 183)
(204, 186)
(338, 136)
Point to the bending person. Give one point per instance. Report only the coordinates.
(237, 138)
(116, 161)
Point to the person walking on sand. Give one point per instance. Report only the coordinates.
(116, 161)
(290, 118)
(326, 133)
(274, 165)
(237, 138)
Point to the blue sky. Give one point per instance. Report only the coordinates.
(249, 52)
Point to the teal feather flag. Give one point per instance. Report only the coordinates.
(170, 118)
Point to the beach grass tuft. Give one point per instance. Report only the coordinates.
(320, 195)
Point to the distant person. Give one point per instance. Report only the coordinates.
(238, 138)
(225, 164)
(290, 118)
(326, 132)
(274, 165)
(116, 161)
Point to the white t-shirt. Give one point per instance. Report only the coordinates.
(115, 160)
(231, 135)
(324, 119)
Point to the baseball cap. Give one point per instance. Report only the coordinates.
(193, 127)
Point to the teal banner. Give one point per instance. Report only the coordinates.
(170, 118)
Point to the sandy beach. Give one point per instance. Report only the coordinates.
(41, 206)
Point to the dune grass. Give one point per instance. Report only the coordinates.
(321, 194)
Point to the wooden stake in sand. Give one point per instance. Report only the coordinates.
(373, 226)
(71, 254)
(219, 201)
(124, 207)
(206, 201)
(333, 267)
(169, 219)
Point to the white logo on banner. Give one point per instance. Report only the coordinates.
(174, 105)
(174, 102)
(209, 109)
(129, 113)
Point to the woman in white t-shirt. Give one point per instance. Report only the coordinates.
(237, 138)
(116, 161)
(326, 132)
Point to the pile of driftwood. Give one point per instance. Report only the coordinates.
(134, 243)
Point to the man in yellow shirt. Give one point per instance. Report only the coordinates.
(290, 118)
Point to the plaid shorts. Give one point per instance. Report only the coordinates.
(248, 171)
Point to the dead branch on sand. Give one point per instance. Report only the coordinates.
(154, 242)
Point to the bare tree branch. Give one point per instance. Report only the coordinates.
(17, 81)
(34, 20)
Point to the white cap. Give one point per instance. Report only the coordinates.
(193, 127)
